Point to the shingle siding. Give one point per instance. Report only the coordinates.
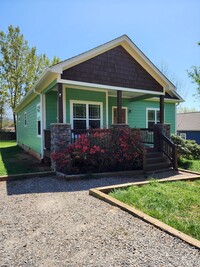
(115, 67)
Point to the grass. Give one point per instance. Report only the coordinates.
(13, 160)
(174, 203)
(193, 165)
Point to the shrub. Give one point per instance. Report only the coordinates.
(188, 149)
(102, 150)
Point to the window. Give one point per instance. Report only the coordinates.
(183, 135)
(25, 119)
(38, 111)
(114, 115)
(86, 115)
(153, 117)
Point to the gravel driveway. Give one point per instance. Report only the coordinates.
(52, 222)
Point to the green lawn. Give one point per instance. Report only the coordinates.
(174, 203)
(13, 160)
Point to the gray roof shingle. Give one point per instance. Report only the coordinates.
(188, 121)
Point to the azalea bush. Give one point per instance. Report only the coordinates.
(188, 149)
(102, 150)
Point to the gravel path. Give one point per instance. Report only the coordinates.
(51, 222)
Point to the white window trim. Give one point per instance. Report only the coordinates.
(18, 119)
(38, 135)
(154, 109)
(122, 108)
(183, 136)
(86, 103)
(25, 119)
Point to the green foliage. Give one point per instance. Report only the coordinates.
(174, 203)
(20, 66)
(102, 150)
(194, 73)
(188, 149)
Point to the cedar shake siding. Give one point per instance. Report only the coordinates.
(114, 67)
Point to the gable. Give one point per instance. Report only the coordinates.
(115, 67)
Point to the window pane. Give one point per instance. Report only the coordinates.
(39, 127)
(79, 124)
(94, 112)
(79, 111)
(94, 124)
(158, 115)
(151, 115)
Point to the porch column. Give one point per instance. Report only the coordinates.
(119, 107)
(162, 109)
(60, 103)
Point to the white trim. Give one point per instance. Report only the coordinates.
(154, 109)
(80, 85)
(183, 135)
(107, 109)
(44, 110)
(87, 117)
(125, 113)
(39, 135)
(64, 104)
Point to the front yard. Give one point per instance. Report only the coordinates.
(14, 160)
(174, 203)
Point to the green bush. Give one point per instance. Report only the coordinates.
(188, 149)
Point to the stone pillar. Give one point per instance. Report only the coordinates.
(60, 138)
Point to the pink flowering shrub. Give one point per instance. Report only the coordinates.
(102, 150)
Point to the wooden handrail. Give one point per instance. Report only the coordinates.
(164, 144)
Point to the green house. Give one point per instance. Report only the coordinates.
(114, 83)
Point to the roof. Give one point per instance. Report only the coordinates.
(53, 72)
(188, 121)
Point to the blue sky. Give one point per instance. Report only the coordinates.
(166, 31)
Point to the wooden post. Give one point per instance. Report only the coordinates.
(60, 103)
(119, 107)
(162, 109)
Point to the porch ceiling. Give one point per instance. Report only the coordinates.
(132, 95)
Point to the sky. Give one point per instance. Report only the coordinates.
(167, 31)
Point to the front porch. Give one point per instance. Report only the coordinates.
(160, 152)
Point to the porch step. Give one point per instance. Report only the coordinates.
(156, 161)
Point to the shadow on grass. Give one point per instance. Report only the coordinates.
(187, 165)
(16, 161)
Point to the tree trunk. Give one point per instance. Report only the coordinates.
(14, 121)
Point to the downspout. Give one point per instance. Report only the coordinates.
(42, 125)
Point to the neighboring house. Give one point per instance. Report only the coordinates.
(112, 83)
(188, 126)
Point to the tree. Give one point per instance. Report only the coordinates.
(194, 73)
(182, 109)
(20, 66)
(3, 99)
